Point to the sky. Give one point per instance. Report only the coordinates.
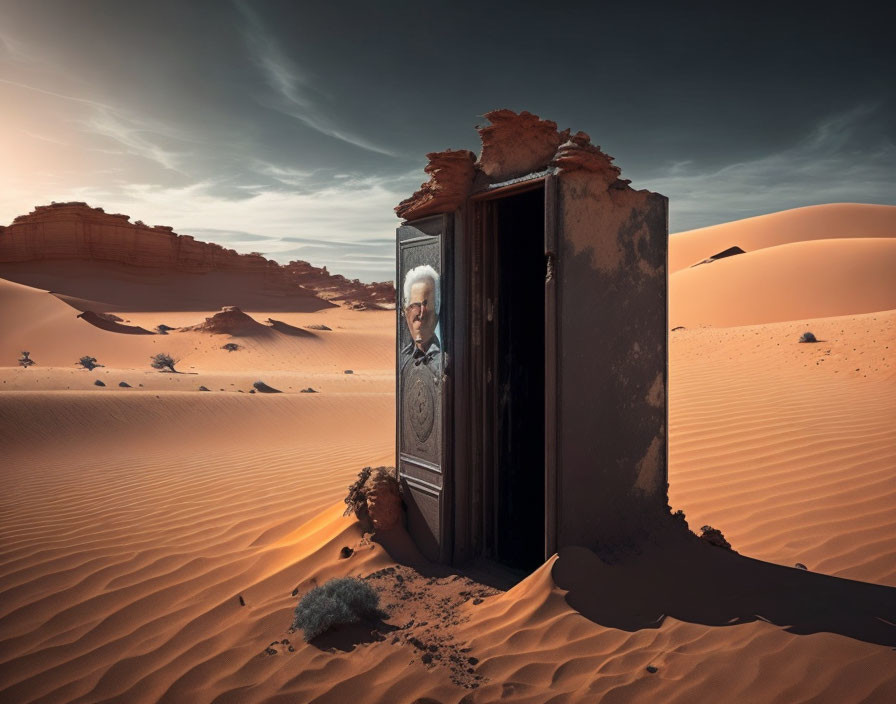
(294, 128)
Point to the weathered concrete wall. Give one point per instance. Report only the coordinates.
(610, 264)
(613, 372)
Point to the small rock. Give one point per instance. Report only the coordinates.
(251, 391)
(124, 384)
(800, 566)
(98, 383)
(346, 552)
(263, 388)
(651, 669)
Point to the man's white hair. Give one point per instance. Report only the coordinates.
(419, 273)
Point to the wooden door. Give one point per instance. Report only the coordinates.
(423, 393)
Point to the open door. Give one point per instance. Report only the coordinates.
(423, 287)
(514, 366)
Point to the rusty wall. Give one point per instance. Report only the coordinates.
(611, 266)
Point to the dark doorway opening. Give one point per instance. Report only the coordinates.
(518, 384)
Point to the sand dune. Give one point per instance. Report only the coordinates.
(49, 329)
(133, 519)
(120, 288)
(127, 544)
(122, 559)
(790, 448)
(832, 221)
(801, 280)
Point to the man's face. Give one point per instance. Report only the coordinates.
(420, 312)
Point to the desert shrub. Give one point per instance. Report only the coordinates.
(679, 517)
(25, 360)
(356, 501)
(163, 329)
(714, 536)
(162, 361)
(340, 600)
(230, 347)
(88, 362)
(807, 337)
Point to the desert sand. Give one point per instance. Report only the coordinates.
(134, 518)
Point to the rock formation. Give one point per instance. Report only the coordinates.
(74, 231)
(103, 323)
(337, 288)
(383, 498)
(231, 321)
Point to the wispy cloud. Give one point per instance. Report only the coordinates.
(134, 136)
(842, 158)
(296, 95)
(347, 225)
(62, 96)
(14, 50)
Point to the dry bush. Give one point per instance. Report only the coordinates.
(162, 361)
(340, 600)
(88, 362)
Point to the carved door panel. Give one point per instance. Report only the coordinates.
(422, 395)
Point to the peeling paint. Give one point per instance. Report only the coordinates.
(649, 468)
(656, 395)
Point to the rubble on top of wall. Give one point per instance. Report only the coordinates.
(515, 146)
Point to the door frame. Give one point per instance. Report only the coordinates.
(482, 461)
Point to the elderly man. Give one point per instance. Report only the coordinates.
(421, 312)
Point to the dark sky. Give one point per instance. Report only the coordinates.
(293, 128)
